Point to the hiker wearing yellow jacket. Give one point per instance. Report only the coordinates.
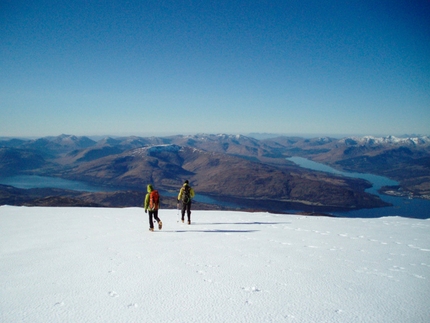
(185, 195)
(151, 205)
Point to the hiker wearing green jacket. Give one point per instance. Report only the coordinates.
(185, 195)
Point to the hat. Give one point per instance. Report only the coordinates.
(186, 181)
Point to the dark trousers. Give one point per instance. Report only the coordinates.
(186, 207)
(155, 215)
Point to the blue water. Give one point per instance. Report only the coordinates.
(35, 181)
(204, 199)
(415, 208)
(410, 208)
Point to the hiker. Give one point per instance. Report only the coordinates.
(151, 205)
(185, 195)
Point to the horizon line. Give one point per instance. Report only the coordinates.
(256, 135)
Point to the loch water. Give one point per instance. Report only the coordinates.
(401, 206)
(36, 181)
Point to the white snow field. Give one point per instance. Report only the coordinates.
(103, 265)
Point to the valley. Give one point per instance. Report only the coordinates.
(234, 170)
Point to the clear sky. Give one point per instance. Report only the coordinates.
(175, 67)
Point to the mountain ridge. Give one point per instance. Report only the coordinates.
(253, 170)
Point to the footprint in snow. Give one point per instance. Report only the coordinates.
(419, 276)
(252, 289)
(113, 294)
(415, 247)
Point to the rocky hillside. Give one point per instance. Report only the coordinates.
(229, 168)
(223, 176)
(406, 160)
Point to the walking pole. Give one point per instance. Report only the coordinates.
(177, 213)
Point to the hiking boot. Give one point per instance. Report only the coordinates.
(151, 229)
(189, 222)
(160, 225)
(182, 220)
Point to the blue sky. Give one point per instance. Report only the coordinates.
(178, 67)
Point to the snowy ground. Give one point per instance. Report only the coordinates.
(103, 265)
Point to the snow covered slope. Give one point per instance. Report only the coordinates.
(389, 140)
(103, 265)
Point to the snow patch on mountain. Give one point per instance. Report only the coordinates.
(156, 149)
(388, 140)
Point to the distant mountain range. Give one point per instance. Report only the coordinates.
(232, 169)
(406, 160)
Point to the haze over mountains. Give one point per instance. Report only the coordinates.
(232, 169)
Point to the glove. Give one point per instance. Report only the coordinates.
(146, 211)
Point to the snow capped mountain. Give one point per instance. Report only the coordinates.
(325, 139)
(238, 164)
(388, 140)
(219, 137)
(237, 137)
(71, 140)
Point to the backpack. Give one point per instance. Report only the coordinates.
(186, 195)
(154, 200)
